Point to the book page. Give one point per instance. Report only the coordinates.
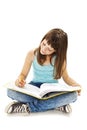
(56, 87)
(27, 89)
(32, 90)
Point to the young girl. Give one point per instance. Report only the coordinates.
(49, 63)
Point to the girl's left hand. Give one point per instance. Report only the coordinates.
(79, 91)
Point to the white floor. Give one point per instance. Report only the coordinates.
(47, 120)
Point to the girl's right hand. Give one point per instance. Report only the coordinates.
(20, 82)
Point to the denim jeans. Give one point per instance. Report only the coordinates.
(38, 105)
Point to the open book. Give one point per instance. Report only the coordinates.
(46, 90)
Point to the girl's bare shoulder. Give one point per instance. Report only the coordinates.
(30, 54)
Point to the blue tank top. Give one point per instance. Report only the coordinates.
(43, 73)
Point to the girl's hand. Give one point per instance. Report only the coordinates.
(79, 91)
(20, 82)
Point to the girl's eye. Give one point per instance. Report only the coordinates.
(50, 49)
(44, 44)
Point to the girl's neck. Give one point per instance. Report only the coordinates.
(47, 61)
(48, 58)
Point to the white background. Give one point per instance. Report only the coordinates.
(23, 23)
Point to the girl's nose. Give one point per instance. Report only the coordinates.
(44, 48)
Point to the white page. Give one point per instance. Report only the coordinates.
(27, 89)
(54, 87)
(32, 90)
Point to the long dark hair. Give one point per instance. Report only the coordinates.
(58, 40)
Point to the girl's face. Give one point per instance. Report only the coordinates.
(45, 48)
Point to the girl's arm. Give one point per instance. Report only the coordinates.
(68, 80)
(25, 70)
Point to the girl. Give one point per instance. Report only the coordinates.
(49, 63)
